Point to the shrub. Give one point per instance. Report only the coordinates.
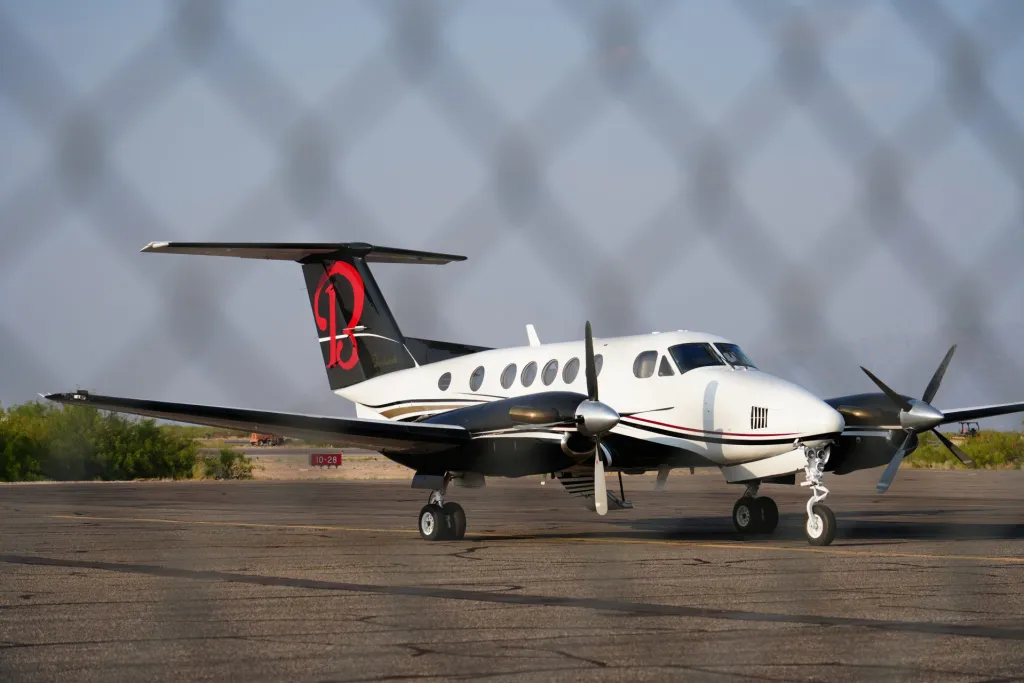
(75, 442)
(227, 464)
(994, 450)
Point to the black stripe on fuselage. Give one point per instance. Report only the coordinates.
(728, 441)
(428, 400)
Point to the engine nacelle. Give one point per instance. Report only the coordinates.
(575, 445)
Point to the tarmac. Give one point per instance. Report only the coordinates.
(330, 581)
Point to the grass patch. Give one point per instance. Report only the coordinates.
(989, 450)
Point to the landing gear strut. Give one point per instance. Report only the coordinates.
(753, 514)
(441, 521)
(820, 527)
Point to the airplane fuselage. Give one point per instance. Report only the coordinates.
(716, 414)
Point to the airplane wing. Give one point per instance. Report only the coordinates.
(965, 414)
(374, 435)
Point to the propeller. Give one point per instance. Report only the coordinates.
(594, 418)
(591, 418)
(917, 416)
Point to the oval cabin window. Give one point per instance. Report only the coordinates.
(644, 364)
(571, 370)
(529, 374)
(477, 378)
(550, 372)
(508, 376)
(444, 381)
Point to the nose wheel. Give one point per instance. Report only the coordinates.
(820, 527)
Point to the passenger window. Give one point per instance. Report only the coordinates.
(665, 368)
(643, 366)
(529, 374)
(508, 376)
(444, 381)
(550, 372)
(598, 364)
(477, 378)
(571, 369)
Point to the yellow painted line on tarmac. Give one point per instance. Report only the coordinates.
(829, 550)
(196, 522)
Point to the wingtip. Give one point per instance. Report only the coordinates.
(154, 246)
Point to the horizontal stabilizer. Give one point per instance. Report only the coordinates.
(373, 435)
(302, 252)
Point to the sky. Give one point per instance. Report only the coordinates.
(647, 166)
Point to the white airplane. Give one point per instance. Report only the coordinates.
(457, 413)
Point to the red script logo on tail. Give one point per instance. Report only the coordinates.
(330, 324)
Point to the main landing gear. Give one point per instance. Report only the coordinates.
(441, 521)
(753, 514)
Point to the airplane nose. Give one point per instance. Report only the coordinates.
(830, 419)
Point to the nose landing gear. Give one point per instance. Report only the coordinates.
(820, 527)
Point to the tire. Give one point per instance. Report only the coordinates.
(822, 529)
(431, 523)
(746, 515)
(455, 518)
(769, 514)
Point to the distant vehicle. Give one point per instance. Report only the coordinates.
(968, 429)
(258, 439)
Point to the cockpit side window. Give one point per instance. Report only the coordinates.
(734, 356)
(692, 356)
(665, 368)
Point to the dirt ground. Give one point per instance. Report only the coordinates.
(358, 465)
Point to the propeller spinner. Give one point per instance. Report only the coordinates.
(917, 416)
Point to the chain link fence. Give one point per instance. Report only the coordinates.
(821, 222)
(873, 277)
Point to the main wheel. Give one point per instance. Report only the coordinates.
(821, 527)
(455, 519)
(432, 525)
(746, 515)
(769, 514)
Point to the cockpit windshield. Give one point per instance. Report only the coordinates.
(692, 356)
(735, 356)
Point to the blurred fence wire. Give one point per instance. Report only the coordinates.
(311, 143)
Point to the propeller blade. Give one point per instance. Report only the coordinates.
(896, 398)
(600, 486)
(890, 470)
(963, 457)
(933, 386)
(659, 484)
(591, 368)
(646, 410)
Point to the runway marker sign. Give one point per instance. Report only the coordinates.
(325, 460)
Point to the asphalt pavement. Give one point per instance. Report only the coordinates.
(329, 581)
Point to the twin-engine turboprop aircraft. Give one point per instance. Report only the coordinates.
(452, 412)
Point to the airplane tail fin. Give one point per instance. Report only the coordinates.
(358, 335)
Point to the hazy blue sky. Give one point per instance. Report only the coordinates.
(195, 143)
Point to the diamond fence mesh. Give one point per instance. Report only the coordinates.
(707, 250)
(849, 263)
